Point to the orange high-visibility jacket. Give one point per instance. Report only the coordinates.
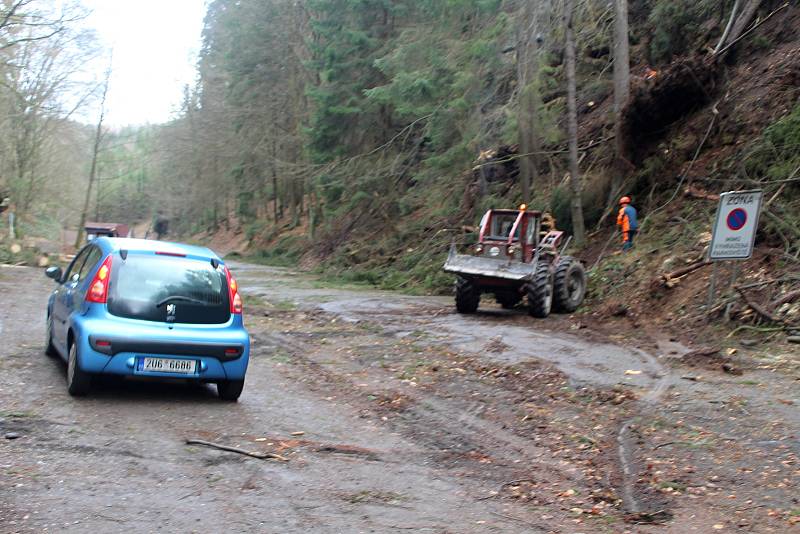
(626, 213)
(622, 220)
(626, 219)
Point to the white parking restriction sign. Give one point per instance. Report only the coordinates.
(735, 226)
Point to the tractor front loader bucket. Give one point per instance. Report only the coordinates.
(471, 266)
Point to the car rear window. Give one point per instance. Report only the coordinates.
(153, 288)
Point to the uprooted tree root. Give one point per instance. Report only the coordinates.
(685, 86)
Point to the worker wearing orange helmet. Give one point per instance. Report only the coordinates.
(626, 220)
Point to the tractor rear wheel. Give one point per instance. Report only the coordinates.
(467, 296)
(540, 292)
(569, 286)
(508, 299)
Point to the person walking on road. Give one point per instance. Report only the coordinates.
(626, 220)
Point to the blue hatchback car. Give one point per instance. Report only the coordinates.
(135, 307)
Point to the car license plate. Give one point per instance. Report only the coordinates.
(167, 365)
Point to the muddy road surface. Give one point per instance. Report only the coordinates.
(378, 412)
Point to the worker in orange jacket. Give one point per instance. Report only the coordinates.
(626, 220)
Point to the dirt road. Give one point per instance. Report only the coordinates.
(394, 414)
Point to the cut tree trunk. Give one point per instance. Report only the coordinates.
(758, 308)
(791, 296)
(669, 280)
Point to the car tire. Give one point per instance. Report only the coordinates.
(50, 349)
(230, 390)
(540, 292)
(467, 296)
(569, 286)
(78, 380)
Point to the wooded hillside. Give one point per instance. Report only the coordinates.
(364, 134)
(357, 132)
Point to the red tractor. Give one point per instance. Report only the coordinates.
(516, 258)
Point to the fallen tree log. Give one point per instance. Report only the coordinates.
(668, 279)
(791, 296)
(763, 312)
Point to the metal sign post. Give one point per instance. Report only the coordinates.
(734, 232)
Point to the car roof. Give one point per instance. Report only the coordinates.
(150, 245)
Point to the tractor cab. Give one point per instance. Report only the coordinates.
(514, 234)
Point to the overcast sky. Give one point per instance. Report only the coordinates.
(155, 44)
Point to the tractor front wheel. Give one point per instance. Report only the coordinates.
(467, 296)
(569, 286)
(540, 292)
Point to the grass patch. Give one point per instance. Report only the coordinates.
(285, 253)
(409, 372)
(283, 305)
(371, 328)
(17, 415)
(671, 484)
(281, 356)
(374, 496)
(335, 280)
(268, 258)
(253, 300)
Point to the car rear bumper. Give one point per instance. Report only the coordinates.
(207, 369)
(222, 352)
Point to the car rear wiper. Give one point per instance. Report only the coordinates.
(180, 298)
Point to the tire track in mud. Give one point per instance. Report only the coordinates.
(583, 360)
(430, 421)
(626, 448)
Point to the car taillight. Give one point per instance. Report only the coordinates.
(98, 290)
(233, 293)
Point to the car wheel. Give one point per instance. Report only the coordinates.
(230, 390)
(50, 349)
(78, 381)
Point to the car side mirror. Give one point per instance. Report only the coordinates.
(54, 272)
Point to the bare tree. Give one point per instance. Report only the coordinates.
(98, 139)
(25, 21)
(576, 203)
(40, 90)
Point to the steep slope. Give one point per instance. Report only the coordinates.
(379, 132)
